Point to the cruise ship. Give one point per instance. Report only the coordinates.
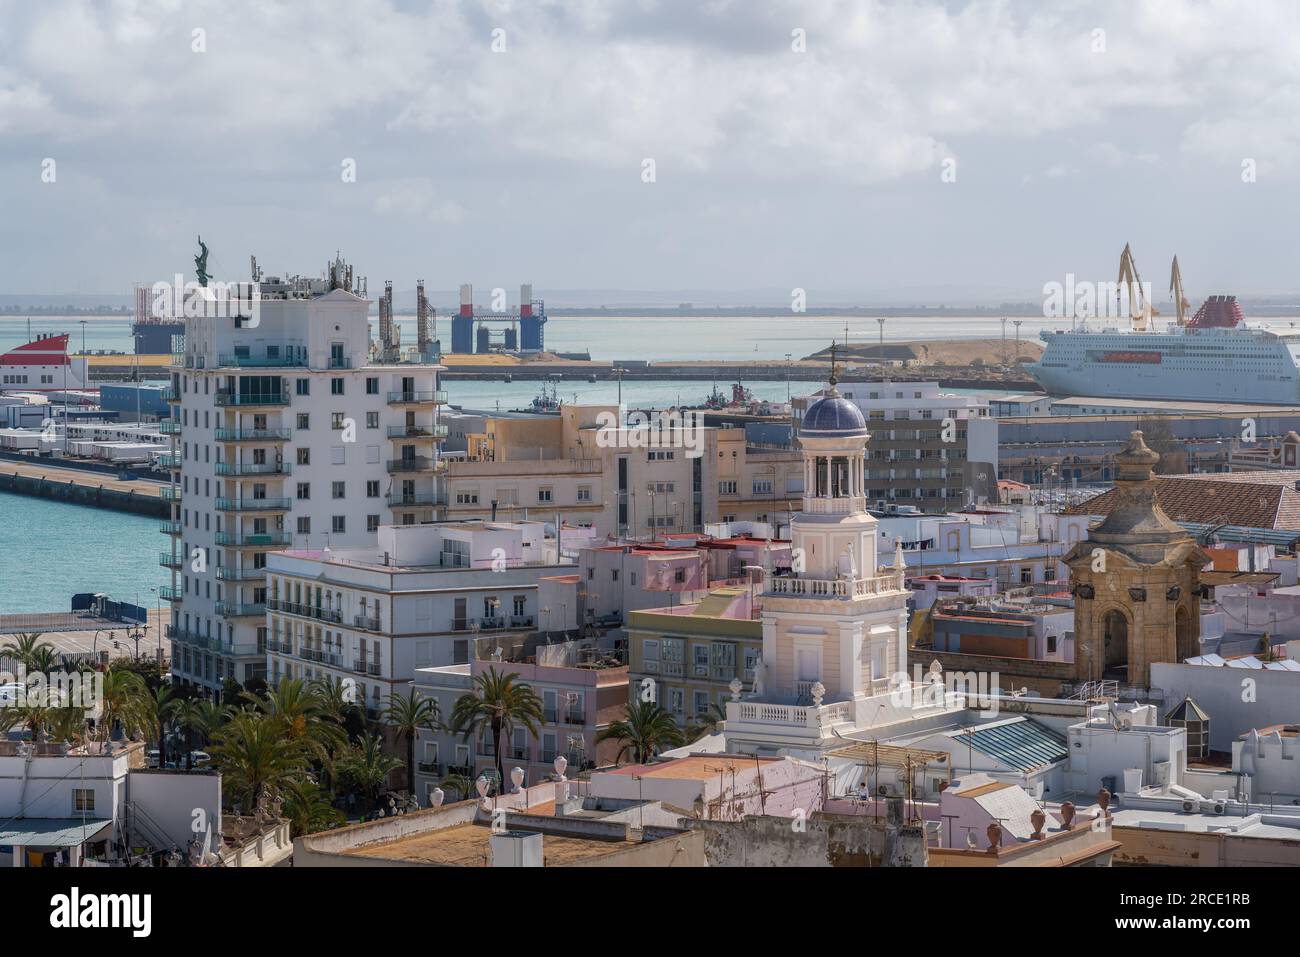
(1216, 356)
(43, 365)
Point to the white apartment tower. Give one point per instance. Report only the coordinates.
(285, 434)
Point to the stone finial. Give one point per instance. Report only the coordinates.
(1135, 461)
(736, 687)
(818, 691)
(994, 831)
(1038, 819)
(1067, 815)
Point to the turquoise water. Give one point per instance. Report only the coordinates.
(52, 550)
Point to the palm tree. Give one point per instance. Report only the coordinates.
(301, 713)
(647, 730)
(407, 716)
(126, 701)
(307, 807)
(165, 704)
(367, 768)
(499, 703)
(22, 649)
(462, 784)
(255, 757)
(201, 715)
(706, 723)
(338, 704)
(67, 725)
(42, 658)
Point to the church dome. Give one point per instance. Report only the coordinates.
(832, 415)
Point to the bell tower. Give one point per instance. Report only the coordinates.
(1136, 581)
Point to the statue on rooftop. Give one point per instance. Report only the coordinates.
(201, 263)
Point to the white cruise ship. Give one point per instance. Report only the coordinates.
(1215, 357)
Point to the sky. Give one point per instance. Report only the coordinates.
(860, 151)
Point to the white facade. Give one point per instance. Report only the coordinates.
(284, 435)
(422, 597)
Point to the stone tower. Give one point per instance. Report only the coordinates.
(1136, 581)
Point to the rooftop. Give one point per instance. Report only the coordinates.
(468, 845)
(695, 767)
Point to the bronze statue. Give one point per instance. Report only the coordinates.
(201, 263)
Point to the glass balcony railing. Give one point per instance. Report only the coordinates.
(252, 435)
(253, 504)
(244, 399)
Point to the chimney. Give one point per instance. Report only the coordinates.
(516, 849)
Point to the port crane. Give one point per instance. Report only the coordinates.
(1176, 289)
(1139, 315)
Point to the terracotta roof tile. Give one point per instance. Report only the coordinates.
(1249, 499)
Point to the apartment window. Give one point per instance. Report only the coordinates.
(372, 420)
(613, 574)
(304, 524)
(659, 455)
(303, 387)
(372, 385)
(304, 420)
(83, 799)
(1026, 576)
(337, 418)
(1051, 644)
(338, 489)
(762, 486)
(544, 494)
(339, 523)
(584, 493)
(679, 575)
(304, 456)
(726, 488)
(304, 490)
(336, 386)
(372, 489)
(467, 497)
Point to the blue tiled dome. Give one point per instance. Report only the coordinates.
(833, 415)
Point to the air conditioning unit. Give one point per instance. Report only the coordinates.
(1189, 807)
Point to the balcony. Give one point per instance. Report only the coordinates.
(305, 611)
(169, 460)
(364, 623)
(363, 667)
(415, 463)
(835, 588)
(429, 767)
(417, 500)
(254, 504)
(168, 560)
(231, 574)
(417, 397)
(234, 609)
(195, 640)
(168, 394)
(252, 435)
(250, 399)
(170, 528)
(410, 431)
(168, 593)
(170, 493)
(340, 362)
(267, 361)
(169, 427)
(256, 540)
(574, 717)
(253, 468)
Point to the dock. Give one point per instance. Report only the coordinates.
(84, 635)
(41, 479)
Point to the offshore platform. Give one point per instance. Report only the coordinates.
(489, 330)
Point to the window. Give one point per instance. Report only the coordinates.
(304, 490)
(372, 420)
(337, 419)
(304, 456)
(83, 799)
(336, 386)
(303, 387)
(726, 488)
(584, 493)
(339, 524)
(372, 385)
(467, 497)
(544, 494)
(660, 455)
(304, 524)
(762, 486)
(304, 420)
(338, 489)
(372, 489)
(372, 523)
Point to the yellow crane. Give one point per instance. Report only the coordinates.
(1140, 309)
(1176, 289)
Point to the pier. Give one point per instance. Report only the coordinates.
(81, 487)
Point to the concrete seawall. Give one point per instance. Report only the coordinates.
(86, 490)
